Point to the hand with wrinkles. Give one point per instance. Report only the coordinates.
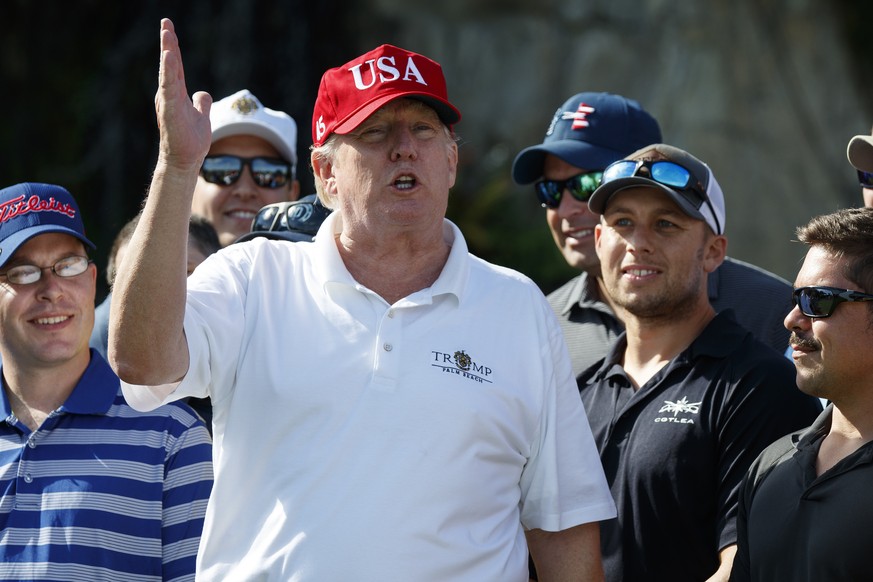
(185, 132)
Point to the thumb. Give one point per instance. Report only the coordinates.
(202, 102)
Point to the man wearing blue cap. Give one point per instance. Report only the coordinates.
(90, 489)
(586, 134)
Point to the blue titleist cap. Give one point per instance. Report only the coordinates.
(30, 209)
(589, 131)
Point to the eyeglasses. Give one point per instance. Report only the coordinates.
(822, 301)
(266, 172)
(66, 267)
(865, 179)
(667, 173)
(580, 187)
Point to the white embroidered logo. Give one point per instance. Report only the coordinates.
(387, 72)
(680, 406)
(319, 128)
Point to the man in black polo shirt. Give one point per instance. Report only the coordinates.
(806, 507)
(686, 399)
(588, 132)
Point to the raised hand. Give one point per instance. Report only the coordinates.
(185, 133)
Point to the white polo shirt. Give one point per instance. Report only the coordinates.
(356, 440)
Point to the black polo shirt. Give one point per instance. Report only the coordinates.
(676, 450)
(590, 327)
(794, 525)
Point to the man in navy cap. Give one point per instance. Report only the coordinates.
(90, 489)
(586, 134)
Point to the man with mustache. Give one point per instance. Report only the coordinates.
(808, 495)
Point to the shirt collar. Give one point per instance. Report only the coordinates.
(330, 269)
(718, 339)
(94, 393)
(584, 293)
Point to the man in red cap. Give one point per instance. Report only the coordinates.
(414, 430)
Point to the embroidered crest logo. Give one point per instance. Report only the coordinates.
(244, 106)
(461, 364)
(462, 360)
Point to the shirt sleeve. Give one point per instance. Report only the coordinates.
(765, 405)
(563, 484)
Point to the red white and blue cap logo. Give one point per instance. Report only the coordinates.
(30, 209)
(589, 131)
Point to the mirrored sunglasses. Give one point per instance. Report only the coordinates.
(266, 172)
(670, 174)
(822, 301)
(580, 187)
(865, 179)
(66, 267)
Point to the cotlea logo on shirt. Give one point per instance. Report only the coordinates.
(681, 406)
(461, 364)
(388, 72)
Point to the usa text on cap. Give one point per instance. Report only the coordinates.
(351, 93)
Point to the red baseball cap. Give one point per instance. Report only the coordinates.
(351, 93)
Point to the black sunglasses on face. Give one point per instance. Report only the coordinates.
(865, 179)
(266, 172)
(581, 187)
(819, 302)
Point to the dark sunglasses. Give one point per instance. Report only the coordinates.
(822, 301)
(300, 216)
(671, 174)
(865, 179)
(266, 172)
(581, 187)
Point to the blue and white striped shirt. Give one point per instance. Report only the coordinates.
(101, 491)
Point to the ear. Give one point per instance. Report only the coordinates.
(322, 170)
(598, 232)
(453, 162)
(714, 253)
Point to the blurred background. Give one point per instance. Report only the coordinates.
(767, 92)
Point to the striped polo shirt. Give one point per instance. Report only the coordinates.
(101, 491)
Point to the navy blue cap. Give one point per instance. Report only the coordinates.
(589, 131)
(296, 221)
(30, 209)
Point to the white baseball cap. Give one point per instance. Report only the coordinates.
(243, 114)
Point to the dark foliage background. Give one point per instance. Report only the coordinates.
(78, 83)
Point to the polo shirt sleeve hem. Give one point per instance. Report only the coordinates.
(146, 398)
(560, 522)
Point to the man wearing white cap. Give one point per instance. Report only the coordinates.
(686, 398)
(251, 163)
(860, 154)
(386, 406)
